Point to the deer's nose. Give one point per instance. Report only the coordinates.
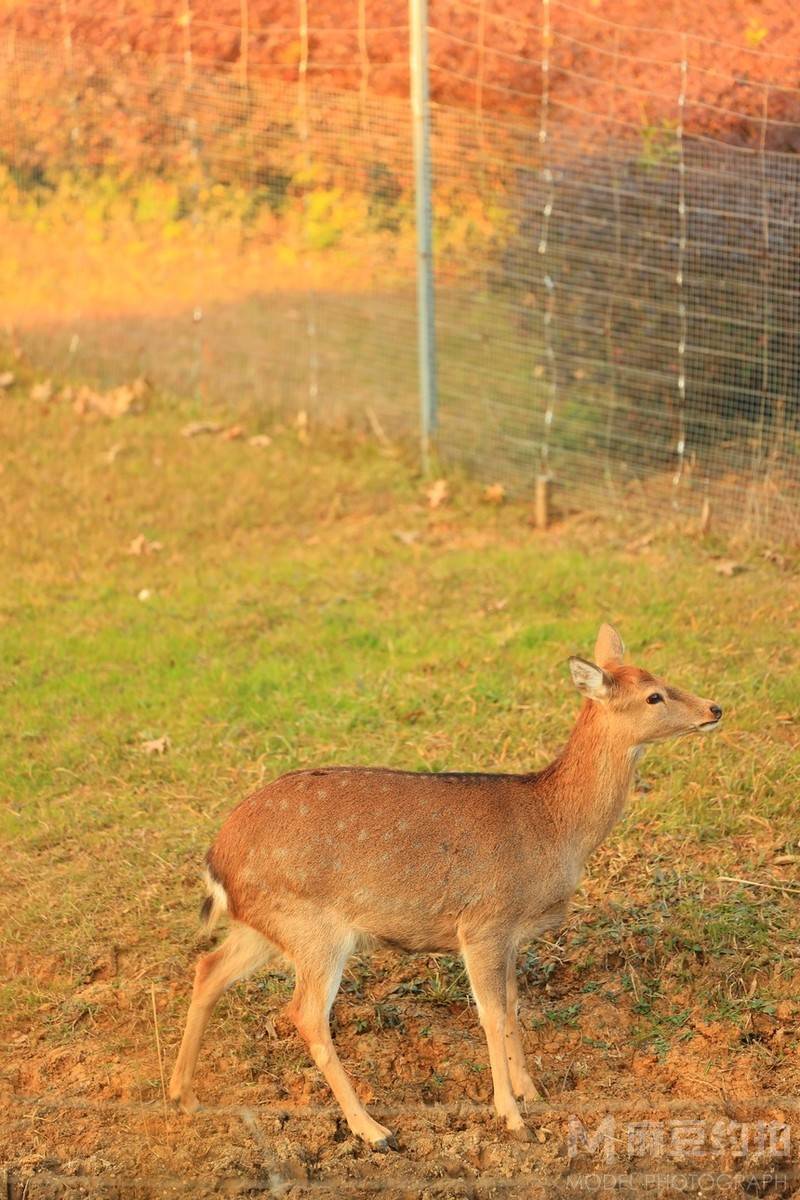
(716, 711)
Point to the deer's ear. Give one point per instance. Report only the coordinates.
(589, 679)
(609, 647)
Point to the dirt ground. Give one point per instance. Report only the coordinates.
(80, 1121)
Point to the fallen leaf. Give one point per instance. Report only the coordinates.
(640, 543)
(115, 403)
(109, 456)
(199, 428)
(785, 717)
(495, 493)
(141, 545)
(437, 493)
(82, 403)
(259, 439)
(232, 433)
(144, 594)
(729, 567)
(42, 391)
(6, 379)
(755, 32)
(496, 606)
(406, 536)
(112, 404)
(159, 745)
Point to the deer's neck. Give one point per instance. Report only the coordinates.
(586, 787)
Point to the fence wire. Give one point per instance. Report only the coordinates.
(616, 236)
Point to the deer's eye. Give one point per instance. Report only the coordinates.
(655, 698)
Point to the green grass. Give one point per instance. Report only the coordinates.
(287, 624)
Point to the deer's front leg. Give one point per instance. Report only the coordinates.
(521, 1082)
(485, 960)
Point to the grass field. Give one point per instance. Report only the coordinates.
(307, 606)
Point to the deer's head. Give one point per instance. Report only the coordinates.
(641, 707)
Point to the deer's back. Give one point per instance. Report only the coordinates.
(399, 855)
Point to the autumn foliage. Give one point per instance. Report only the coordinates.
(617, 60)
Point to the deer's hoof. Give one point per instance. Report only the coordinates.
(521, 1133)
(186, 1103)
(385, 1144)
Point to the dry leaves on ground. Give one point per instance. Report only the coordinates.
(110, 456)
(640, 543)
(41, 392)
(494, 493)
(729, 567)
(200, 428)
(226, 433)
(406, 536)
(142, 545)
(159, 745)
(437, 493)
(113, 404)
(232, 434)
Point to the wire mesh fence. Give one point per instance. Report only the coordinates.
(616, 238)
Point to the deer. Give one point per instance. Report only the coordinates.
(322, 862)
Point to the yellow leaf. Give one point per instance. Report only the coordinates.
(755, 32)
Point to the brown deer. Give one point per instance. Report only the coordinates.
(321, 862)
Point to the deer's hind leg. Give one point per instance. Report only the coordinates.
(243, 951)
(319, 966)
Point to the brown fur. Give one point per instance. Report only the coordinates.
(321, 860)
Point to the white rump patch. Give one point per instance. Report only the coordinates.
(216, 891)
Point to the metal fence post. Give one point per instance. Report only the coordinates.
(420, 112)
